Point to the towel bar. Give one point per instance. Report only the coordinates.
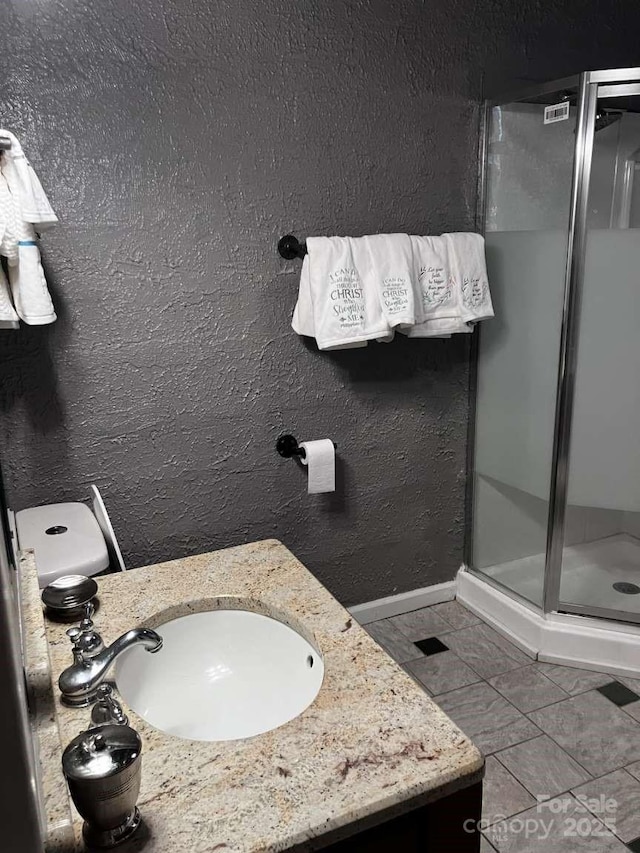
(289, 247)
(287, 446)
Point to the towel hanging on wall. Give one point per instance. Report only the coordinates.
(356, 289)
(331, 304)
(23, 207)
(391, 274)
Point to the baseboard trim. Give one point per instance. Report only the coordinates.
(394, 605)
(519, 624)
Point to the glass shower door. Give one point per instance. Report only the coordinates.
(528, 196)
(600, 573)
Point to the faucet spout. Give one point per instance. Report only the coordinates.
(79, 682)
(144, 636)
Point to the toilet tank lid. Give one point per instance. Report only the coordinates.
(66, 538)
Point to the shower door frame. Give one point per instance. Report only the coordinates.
(590, 85)
(594, 86)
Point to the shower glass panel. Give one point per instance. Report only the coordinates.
(600, 572)
(527, 184)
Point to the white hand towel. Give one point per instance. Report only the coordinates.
(443, 327)
(469, 269)
(366, 267)
(436, 297)
(390, 272)
(8, 225)
(25, 186)
(436, 287)
(8, 317)
(302, 322)
(29, 286)
(342, 314)
(18, 244)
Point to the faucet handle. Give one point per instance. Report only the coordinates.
(74, 634)
(90, 640)
(86, 639)
(107, 710)
(86, 622)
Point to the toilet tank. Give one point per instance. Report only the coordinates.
(66, 538)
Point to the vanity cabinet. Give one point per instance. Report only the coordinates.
(435, 828)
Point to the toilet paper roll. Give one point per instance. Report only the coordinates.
(320, 459)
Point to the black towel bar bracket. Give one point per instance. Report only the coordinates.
(287, 446)
(289, 247)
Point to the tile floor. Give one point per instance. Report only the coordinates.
(562, 745)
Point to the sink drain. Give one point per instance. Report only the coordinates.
(626, 588)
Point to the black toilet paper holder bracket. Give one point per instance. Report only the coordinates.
(287, 446)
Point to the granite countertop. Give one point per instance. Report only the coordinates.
(56, 802)
(371, 742)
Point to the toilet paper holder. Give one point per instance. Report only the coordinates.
(287, 446)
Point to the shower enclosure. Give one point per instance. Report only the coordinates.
(555, 482)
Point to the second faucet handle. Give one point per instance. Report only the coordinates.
(107, 710)
(87, 622)
(74, 635)
(86, 640)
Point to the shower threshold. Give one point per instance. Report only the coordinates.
(590, 571)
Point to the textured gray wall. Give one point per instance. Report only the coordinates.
(178, 139)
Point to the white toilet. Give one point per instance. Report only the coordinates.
(69, 539)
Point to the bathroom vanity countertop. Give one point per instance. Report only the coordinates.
(56, 803)
(372, 742)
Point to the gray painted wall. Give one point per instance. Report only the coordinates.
(178, 140)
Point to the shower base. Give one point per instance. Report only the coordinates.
(589, 572)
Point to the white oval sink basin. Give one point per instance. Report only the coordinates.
(221, 675)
